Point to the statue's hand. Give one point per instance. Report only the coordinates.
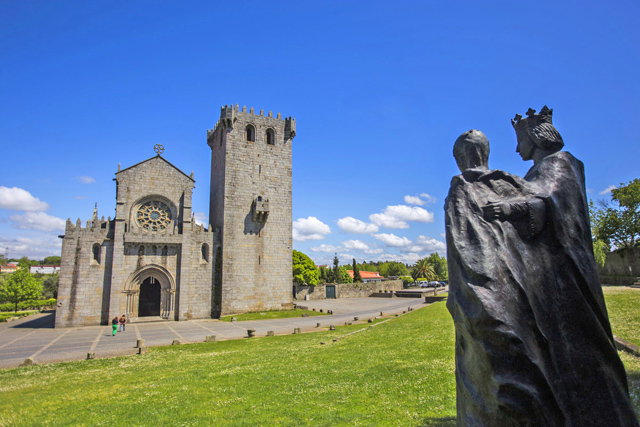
(496, 210)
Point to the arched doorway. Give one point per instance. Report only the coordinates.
(149, 300)
(150, 291)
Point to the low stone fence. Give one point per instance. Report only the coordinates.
(346, 290)
(621, 268)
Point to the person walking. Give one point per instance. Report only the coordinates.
(114, 326)
(123, 322)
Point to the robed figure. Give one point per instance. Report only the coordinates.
(533, 341)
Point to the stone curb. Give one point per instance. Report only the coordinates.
(626, 346)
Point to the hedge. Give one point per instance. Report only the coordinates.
(29, 305)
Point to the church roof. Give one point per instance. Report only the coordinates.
(157, 157)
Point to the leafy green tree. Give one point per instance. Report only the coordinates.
(335, 276)
(357, 278)
(20, 286)
(304, 269)
(50, 286)
(618, 223)
(439, 266)
(3, 260)
(24, 261)
(600, 247)
(396, 269)
(423, 270)
(344, 276)
(51, 260)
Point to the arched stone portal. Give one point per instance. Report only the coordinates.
(150, 291)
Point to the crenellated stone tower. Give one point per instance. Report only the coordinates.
(251, 206)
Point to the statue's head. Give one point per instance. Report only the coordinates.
(471, 150)
(536, 132)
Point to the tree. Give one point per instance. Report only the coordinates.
(439, 265)
(618, 223)
(304, 269)
(20, 286)
(423, 270)
(50, 286)
(51, 260)
(335, 277)
(396, 269)
(356, 273)
(600, 247)
(344, 276)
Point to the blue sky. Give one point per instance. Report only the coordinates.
(380, 91)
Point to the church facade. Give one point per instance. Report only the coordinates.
(153, 261)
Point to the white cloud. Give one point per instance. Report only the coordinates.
(326, 248)
(355, 245)
(607, 190)
(397, 216)
(392, 240)
(85, 179)
(352, 225)
(414, 200)
(34, 247)
(431, 244)
(80, 197)
(201, 218)
(309, 229)
(427, 198)
(18, 199)
(37, 221)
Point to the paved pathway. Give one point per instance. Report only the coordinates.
(36, 338)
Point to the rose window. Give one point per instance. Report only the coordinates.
(154, 216)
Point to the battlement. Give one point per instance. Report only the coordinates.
(229, 114)
(95, 225)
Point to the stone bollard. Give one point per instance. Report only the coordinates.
(210, 338)
(317, 325)
(28, 362)
(381, 313)
(270, 333)
(251, 333)
(296, 330)
(175, 342)
(142, 350)
(91, 356)
(369, 321)
(139, 343)
(233, 319)
(332, 327)
(356, 318)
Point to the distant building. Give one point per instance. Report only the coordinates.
(44, 269)
(368, 276)
(9, 268)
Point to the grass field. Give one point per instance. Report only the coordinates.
(623, 305)
(272, 314)
(4, 315)
(398, 373)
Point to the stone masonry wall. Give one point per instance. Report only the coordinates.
(621, 268)
(84, 282)
(346, 290)
(256, 256)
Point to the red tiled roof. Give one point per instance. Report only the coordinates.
(367, 274)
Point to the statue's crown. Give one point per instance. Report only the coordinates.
(533, 119)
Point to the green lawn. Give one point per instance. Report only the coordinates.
(272, 314)
(398, 373)
(4, 315)
(623, 305)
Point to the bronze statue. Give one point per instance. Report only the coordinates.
(533, 340)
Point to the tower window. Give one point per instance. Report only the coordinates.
(270, 136)
(205, 252)
(251, 133)
(96, 252)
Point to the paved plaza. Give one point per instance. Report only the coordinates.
(35, 336)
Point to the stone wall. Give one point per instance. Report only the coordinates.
(256, 253)
(621, 268)
(346, 290)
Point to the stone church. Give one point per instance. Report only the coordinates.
(153, 261)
